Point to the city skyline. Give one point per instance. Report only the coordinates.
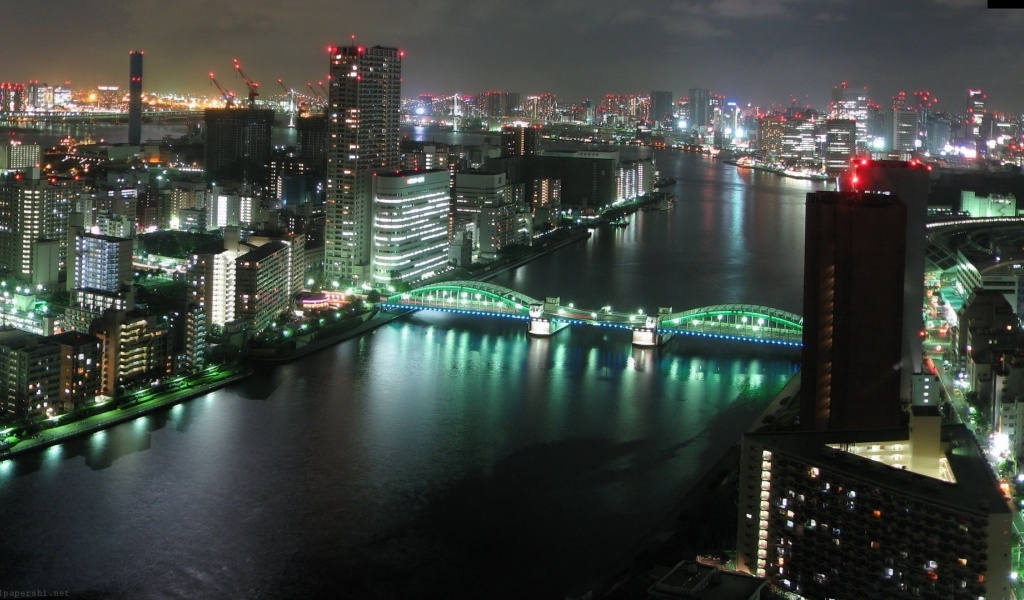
(762, 53)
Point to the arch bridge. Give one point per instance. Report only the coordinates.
(739, 322)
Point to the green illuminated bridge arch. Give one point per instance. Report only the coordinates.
(748, 322)
(475, 297)
(741, 322)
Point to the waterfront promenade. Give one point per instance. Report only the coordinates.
(215, 378)
(195, 386)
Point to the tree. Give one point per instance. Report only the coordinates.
(373, 296)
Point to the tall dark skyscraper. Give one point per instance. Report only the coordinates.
(363, 118)
(853, 311)
(661, 109)
(700, 109)
(135, 97)
(909, 182)
(238, 145)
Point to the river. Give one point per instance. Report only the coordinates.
(439, 456)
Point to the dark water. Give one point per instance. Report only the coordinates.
(440, 456)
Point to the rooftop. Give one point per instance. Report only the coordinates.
(970, 486)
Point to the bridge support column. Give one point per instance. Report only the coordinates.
(545, 327)
(542, 326)
(649, 336)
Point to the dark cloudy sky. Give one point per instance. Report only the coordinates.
(758, 51)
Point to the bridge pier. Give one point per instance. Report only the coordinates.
(541, 326)
(649, 336)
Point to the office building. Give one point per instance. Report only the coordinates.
(771, 131)
(519, 141)
(589, 179)
(700, 109)
(363, 134)
(840, 145)
(662, 115)
(134, 97)
(16, 156)
(12, 97)
(634, 178)
(798, 139)
(900, 131)
(853, 311)
(238, 145)
(975, 111)
(474, 190)
(410, 228)
(852, 103)
(896, 513)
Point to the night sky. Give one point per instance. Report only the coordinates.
(756, 51)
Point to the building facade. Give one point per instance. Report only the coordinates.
(410, 228)
(363, 139)
(853, 311)
(904, 513)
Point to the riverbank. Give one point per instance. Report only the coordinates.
(108, 418)
(119, 414)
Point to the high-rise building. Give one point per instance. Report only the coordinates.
(363, 139)
(853, 311)
(661, 109)
(519, 141)
(17, 156)
(840, 145)
(109, 97)
(211, 279)
(135, 97)
(909, 182)
(32, 209)
(238, 145)
(895, 513)
(700, 109)
(852, 103)
(12, 97)
(771, 131)
(262, 290)
(482, 204)
(102, 277)
(798, 139)
(975, 111)
(410, 228)
(900, 128)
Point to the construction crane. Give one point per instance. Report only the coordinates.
(291, 103)
(315, 93)
(229, 97)
(254, 88)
